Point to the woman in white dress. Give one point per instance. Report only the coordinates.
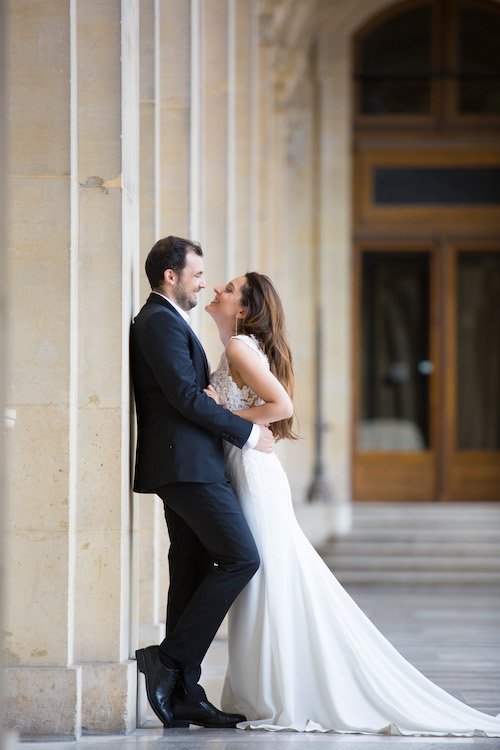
(302, 655)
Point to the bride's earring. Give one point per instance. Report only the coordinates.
(236, 325)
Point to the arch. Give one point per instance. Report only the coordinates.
(295, 31)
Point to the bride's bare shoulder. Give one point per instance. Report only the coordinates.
(241, 346)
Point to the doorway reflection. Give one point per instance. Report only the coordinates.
(395, 360)
(478, 350)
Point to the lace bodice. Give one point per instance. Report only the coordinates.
(231, 395)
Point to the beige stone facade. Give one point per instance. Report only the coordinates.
(228, 121)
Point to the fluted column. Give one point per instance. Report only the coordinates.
(40, 541)
(73, 265)
(151, 535)
(3, 346)
(108, 247)
(174, 93)
(332, 270)
(266, 163)
(245, 81)
(300, 290)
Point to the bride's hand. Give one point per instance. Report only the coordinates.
(210, 391)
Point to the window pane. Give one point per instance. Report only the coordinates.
(437, 185)
(395, 364)
(396, 64)
(478, 350)
(479, 60)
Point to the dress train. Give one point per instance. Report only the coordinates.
(302, 655)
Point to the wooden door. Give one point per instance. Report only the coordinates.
(427, 370)
(396, 371)
(471, 376)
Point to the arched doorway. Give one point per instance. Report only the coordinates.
(427, 253)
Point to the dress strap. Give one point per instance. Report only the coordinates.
(252, 343)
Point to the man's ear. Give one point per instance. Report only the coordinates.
(170, 277)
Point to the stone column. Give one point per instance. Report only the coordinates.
(267, 55)
(180, 121)
(152, 538)
(333, 196)
(174, 94)
(108, 254)
(3, 346)
(245, 100)
(72, 252)
(217, 163)
(301, 287)
(43, 683)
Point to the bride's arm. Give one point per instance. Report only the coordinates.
(255, 374)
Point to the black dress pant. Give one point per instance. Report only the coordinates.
(212, 557)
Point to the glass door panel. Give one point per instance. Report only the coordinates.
(478, 350)
(395, 372)
(471, 458)
(395, 361)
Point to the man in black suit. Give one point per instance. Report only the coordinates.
(180, 457)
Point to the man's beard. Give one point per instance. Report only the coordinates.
(184, 300)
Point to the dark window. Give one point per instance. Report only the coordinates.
(417, 58)
(396, 64)
(479, 60)
(437, 185)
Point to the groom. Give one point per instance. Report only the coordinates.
(180, 457)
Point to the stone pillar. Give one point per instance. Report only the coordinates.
(180, 122)
(152, 538)
(217, 164)
(301, 287)
(4, 735)
(245, 100)
(266, 63)
(72, 263)
(333, 196)
(107, 290)
(174, 94)
(150, 154)
(43, 683)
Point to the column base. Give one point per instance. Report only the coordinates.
(44, 702)
(109, 698)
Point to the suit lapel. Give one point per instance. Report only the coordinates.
(157, 299)
(205, 360)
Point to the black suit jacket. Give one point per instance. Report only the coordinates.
(179, 427)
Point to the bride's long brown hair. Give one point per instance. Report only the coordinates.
(265, 319)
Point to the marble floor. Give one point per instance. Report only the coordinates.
(451, 634)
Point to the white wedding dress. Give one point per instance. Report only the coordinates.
(302, 655)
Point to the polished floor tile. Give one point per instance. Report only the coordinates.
(451, 634)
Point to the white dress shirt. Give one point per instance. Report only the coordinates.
(254, 436)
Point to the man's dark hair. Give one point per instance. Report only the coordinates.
(169, 252)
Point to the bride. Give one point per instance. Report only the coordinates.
(302, 655)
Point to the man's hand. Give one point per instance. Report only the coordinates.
(210, 391)
(266, 440)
